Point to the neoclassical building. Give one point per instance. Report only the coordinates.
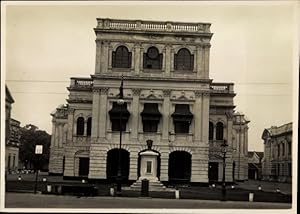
(169, 99)
(277, 161)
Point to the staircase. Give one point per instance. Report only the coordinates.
(153, 186)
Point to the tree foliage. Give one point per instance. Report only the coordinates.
(31, 136)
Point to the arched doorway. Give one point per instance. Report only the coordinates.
(180, 167)
(112, 164)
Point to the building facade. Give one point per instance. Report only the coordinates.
(277, 161)
(169, 99)
(255, 165)
(12, 136)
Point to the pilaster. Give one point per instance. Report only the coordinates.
(98, 56)
(166, 114)
(135, 114)
(103, 113)
(96, 112)
(197, 117)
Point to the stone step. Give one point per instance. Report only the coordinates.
(153, 186)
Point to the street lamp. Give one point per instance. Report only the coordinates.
(120, 102)
(224, 150)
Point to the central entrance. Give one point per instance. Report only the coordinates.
(112, 164)
(180, 167)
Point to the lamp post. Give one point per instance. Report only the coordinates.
(120, 102)
(224, 150)
(240, 133)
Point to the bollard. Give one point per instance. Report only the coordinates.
(251, 196)
(213, 185)
(232, 186)
(19, 178)
(259, 187)
(145, 188)
(177, 194)
(49, 188)
(44, 179)
(112, 191)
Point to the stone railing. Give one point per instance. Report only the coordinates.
(221, 87)
(81, 83)
(118, 24)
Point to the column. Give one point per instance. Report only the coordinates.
(98, 56)
(104, 57)
(199, 61)
(137, 53)
(141, 58)
(205, 117)
(95, 112)
(206, 61)
(172, 60)
(103, 112)
(109, 58)
(164, 59)
(166, 115)
(135, 113)
(70, 124)
(197, 117)
(167, 60)
(53, 134)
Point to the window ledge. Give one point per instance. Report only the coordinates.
(149, 70)
(121, 69)
(184, 71)
(118, 132)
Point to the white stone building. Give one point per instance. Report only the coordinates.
(169, 99)
(277, 160)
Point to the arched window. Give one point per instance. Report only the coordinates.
(219, 131)
(152, 59)
(211, 131)
(89, 127)
(184, 60)
(121, 58)
(80, 126)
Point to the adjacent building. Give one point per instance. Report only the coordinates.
(169, 99)
(277, 161)
(12, 135)
(255, 165)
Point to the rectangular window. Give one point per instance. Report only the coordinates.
(149, 167)
(278, 150)
(8, 162)
(14, 160)
(115, 125)
(283, 149)
(150, 126)
(182, 127)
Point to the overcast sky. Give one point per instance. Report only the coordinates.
(253, 46)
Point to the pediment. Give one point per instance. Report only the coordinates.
(183, 98)
(152, 97)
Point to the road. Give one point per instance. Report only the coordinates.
(28, 200)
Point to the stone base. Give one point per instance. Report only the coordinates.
(153, 186)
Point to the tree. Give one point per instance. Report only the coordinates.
(30, 136)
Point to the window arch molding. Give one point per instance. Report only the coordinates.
(184, 59)
(160, 48)
(220, 130)
(127, 45)
(192, 50)
(121, 57)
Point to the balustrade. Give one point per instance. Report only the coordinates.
(153, 25)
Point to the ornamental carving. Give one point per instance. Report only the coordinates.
(96, 90)
(198, 94)
(136, 91)
(167, 92)
(104, 91)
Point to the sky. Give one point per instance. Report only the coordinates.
(254, 46)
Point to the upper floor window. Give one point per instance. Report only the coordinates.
(152, 59)
(80, 126)
(278, 150)
(89, 127)
(119, 116)
(211, 131)
(121, 58)
(283, 149)
(184, 60)
(182, 118)
(219, 131)
(150, 117)
(289, 148)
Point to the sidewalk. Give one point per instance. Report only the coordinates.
(26, 200)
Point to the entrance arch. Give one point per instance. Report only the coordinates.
(112, 162)
(180, 166)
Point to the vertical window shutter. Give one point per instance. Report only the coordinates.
(129, 59)
(160, 61)
(175, 61)
(113, 59)
(192, 63)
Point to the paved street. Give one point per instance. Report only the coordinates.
(28, 200)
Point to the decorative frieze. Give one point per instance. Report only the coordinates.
(136, 91)
(166, 92)
(104, 91)
(198, 94)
